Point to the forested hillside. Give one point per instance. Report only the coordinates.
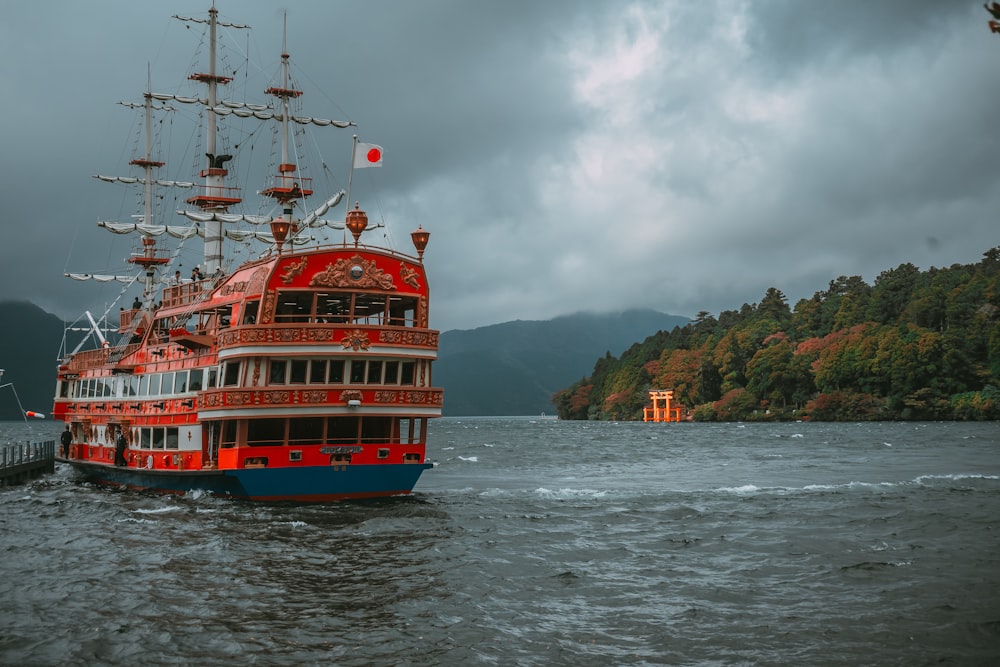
(914, 345)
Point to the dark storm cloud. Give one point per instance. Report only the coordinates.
(565, 155)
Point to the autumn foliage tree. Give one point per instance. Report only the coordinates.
(914, 345)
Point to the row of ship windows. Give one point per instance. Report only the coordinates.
(329, 371)
(279, 372)
(344, 307)
(277, 431)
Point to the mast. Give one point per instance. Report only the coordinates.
(288, 187)
(149, 257)
(215, 196)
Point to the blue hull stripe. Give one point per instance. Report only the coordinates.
(309, 483)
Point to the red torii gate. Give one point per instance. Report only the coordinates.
(662, 411)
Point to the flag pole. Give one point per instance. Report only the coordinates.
(350, 180)
(350, 177)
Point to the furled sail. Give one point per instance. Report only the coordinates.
(176, 231)
(102, 279)
(313, 219)
(269, 115)
(209, 216)
(133, 179)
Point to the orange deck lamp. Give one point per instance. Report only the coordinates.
(357, 221)
(420, 238)
(279, 229)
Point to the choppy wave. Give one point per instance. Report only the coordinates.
(562, 544)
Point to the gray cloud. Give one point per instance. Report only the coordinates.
(565, 156)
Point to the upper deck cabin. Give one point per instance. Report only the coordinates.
(337, 288)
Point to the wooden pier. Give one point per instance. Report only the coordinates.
(20, 462)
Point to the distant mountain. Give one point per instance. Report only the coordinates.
(513, 368)
(29, 347)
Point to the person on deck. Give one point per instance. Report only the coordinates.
(137, 304)
(65, 438)
(120, 445)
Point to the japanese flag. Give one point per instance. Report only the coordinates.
(367, 155)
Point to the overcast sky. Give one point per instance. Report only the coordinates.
(565, 155)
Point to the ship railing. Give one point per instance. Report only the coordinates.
(135, 319)
(187, 292)
(346, 334)
(97, 358)
(26, 457)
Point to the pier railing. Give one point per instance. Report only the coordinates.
(26, 460)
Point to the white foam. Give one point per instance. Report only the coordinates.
(570, 493)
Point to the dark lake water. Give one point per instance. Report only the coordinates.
(537, 542)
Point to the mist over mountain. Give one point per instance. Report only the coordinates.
(512, 368)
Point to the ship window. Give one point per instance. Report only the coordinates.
(293, 307)
(317, 371)
(64, 390)
(369, 309)
(196, 377)
(231, 377)
(376, 429)
(157, 438)
(213, 374)
(383, 453)
(250, 312)
(406, 376)
(180, 382)
(336, 371)
(144, 385)
(374, 372)
(295, 455)
(357, 371)
(154, 384)
(167, 383)
(402, 311)
(276, 371)
(333, 307)
(405, 427)
(228, 437)
(298, 371)
(265, 432)
(171, 438)
(342, 430)
(306, 430)
(133, 386)
(392, 372)
(145, 438)
(225, 316)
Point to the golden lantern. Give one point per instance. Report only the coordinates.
(420, 238)
(357, 221)
(279, 229)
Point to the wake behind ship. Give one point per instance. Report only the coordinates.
(301, 374)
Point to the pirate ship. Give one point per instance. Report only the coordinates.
(301, 374)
